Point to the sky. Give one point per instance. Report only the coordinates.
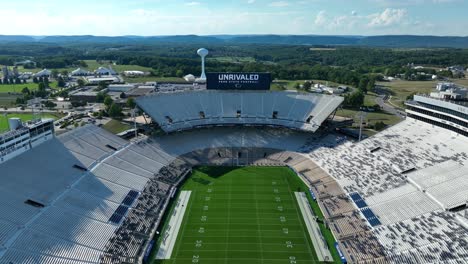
(210, 17)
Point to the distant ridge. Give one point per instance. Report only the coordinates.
(394, 41)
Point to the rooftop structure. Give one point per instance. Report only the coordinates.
(43, 73)
(24, 136)
(449, 114)
(80, 72)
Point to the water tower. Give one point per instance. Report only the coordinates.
(203, 53)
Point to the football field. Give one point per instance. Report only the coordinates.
(242, 215)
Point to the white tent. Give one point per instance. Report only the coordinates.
(43, 73)
(80, 72)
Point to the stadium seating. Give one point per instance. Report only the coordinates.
(191, 109)
(106, 209)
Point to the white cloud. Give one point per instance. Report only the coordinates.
(321, 18)
(279, 4)
(250, 1)
(389, 17)
(193, 3)
(354, 13)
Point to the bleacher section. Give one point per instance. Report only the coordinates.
(383, 198)
(446, 182)
(192, 109)
(97, 202)
(401, 180)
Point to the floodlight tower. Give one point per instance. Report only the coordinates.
(203, 53)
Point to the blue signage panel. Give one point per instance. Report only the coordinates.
(238, 81)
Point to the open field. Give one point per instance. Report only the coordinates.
(371, 117)
(244, 215)
(233, 59)
(7, 100)
(93, 65)
(16, 88)
(402, 89)
(24, 118)
(115, 126)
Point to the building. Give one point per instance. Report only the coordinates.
(87, 96)
(189, 78)
(43, 73)
(80, 72)
(109, 79)
(140, 91)
(135, 73)
(105, 71)
(24, 136)
(449, 114)
(445, 86)
(121, 87)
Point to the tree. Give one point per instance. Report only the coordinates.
(307, 85)
(41, 86)
(25, 90)
(370, 85)
(355, 99)
(102, 85)
(115, 111)
(131, 103)
(54, 73)
(50, 104)
(100, 97)
(61, 82)
(80, 82)
(35, 80)
(379, 126)
(108, 102)
(46, 82)
(363, 84)
(83, 64)
(64, 73)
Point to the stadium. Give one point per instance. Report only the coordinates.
(240, 176)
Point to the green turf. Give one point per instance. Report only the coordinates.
(116, 127)
(240, 215)
(24, 117)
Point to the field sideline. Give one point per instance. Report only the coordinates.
(243, 215)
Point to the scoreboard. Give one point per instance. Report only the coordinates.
(238, 81)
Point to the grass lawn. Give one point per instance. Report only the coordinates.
(463, 82)
(401, 89)
(7, 100)
(115, 126)
(371, 117)
(16, 88)
(24, 117)
(244, 215)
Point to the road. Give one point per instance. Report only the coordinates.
(383, 101)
